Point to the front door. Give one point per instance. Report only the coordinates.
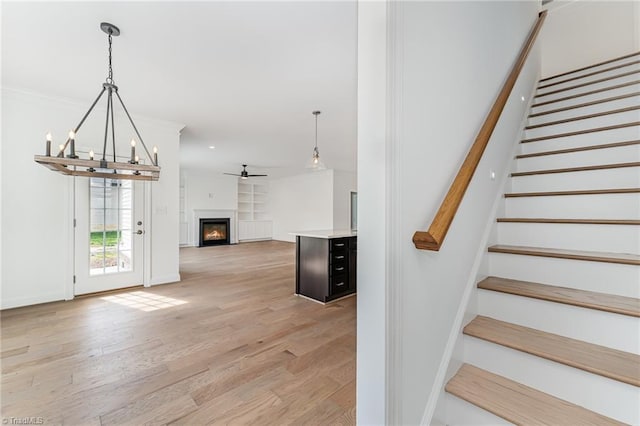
(109, 233)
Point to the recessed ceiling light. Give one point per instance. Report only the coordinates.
(212, 147)
(522, 98)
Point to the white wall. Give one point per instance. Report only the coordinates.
(37, 237)
(446, 62)
(301, 203)
(207, 191)
(580, 33)
(343, 184)
(371, 379)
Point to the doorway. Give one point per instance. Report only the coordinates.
(108, 234)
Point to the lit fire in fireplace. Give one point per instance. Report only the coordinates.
(214, 235)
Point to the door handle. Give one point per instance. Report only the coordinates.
(139, 232)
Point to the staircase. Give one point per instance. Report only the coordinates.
(556, 338)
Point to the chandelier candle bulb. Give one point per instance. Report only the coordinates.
(61, 151)
(49, 139)
(155, 155)
(72, 144)
(133, 151)
(137, 159)
(91, 155)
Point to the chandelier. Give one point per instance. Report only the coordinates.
(69, 163)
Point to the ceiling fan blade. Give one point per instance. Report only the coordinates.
(256, 175)
(231, 174)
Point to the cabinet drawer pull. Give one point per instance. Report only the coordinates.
(339, 245)
(340, 284)
(339, 257)
(340, 268)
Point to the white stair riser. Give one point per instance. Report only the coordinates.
(579, 90)
(584, 139)
(592, 69)
(600, 394)
(584, 324)
(612, 278)
(605, 238)
(633, 88)
(590, 123)
(591, 109)
(463, 413)
(607, 206)
(624, 177)
(622, 154)
(583, 80)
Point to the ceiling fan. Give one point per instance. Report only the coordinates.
(244, 174)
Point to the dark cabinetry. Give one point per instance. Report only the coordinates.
(325, 267)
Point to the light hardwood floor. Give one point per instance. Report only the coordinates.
(228, 344)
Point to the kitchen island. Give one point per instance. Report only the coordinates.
(326, 264)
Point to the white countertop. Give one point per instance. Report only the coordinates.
(326, 233)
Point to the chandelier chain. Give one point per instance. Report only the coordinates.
(110, 77)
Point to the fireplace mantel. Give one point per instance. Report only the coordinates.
(198, 214)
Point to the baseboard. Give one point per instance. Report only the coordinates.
(31, 300)
(167, 279)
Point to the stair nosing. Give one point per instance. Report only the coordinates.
(569, 221)
(554, 253)
(584, 117)
(626, 64)
(576, 192)
(525, 345)
(581, 132)
(580, 149)
(576, 169)
(459, 387)
(592, 92)
(578, 86)
(609, 61)
(577, 297)
(585, 104)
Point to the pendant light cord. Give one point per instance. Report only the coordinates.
(316, 131)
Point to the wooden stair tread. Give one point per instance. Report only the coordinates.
(584, 117)
(593, 256)
(577, 192)
(568, 296)
(580, 132)
(589, 83)
(616, 67)
(569, 221)
(596, 359)
(591, 92)
(585, 104)
(579, 149)
(518, 403)
(619, 58)
(576, 169)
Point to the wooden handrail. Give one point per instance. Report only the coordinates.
(434, 237)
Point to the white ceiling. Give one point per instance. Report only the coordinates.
(241, 76)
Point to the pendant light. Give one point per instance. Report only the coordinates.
(316, 163)
(73, 165)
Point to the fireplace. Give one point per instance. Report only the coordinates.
(214, 232)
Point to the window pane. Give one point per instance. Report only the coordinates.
(96, 261)
(125, 240)
(126, 219)
(125, 261)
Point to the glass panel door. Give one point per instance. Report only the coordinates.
(108, 234)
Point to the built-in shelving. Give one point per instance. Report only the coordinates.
(254, 218)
